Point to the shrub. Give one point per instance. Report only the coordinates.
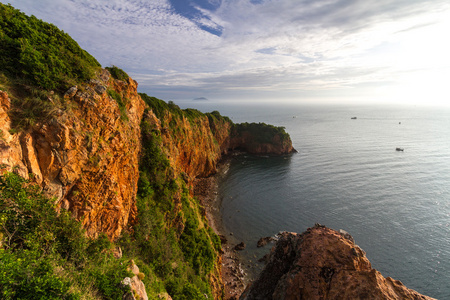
(46, 255)
(122, 107)
(108, 279)
(39, 54)
(118, 73)
(261, 132)
(28, 275)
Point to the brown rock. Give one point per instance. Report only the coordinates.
(322, 263)
(136, 284)
(240, 246)
(71, 92)
(264, 241)
(87, 156)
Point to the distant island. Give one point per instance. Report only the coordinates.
(201, 99)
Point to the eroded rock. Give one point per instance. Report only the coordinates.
(86, 156)
(322, 263)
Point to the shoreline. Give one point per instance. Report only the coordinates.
(207, 192)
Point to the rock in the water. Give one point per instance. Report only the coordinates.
(264, 241)
(322, 263)
(240, 246)
(223, 239)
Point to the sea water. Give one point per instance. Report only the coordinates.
(348, 175)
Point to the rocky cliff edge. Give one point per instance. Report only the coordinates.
(86, 155)
(322, 263)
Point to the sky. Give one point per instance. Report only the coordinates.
(321, 51)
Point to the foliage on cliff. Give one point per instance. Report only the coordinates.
(38, 63)
(37, 53)
(261, 132)
(46, 255)
(44, 252)
(118, 73)
(261, 138)
(171, 237)
(161, 108)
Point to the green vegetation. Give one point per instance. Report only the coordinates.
(38, 54)
(117, 73)
(38, 63)
(261, 132)
(160, 108)
(122, 106)
(46, 255)
(170, 238)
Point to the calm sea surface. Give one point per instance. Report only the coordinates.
(347, 175)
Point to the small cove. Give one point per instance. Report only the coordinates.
(347, 175)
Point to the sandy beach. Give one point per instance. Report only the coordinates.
(206, 190)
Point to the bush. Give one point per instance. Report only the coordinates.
(28, 275)
(117, 73)
(108, 279)
(39, 54)
(261, 132)
(43, 249)
(122, 107)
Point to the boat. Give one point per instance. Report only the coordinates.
(353, 118)
(399, 149)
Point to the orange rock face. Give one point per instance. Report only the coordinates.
(86, 156)
(192, 147)
(322, 263)
(10, 149)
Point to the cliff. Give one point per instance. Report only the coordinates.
(109, 189)
(322, 263)
(180, 146)
(261, 138)
(85, 155)
(108, 175)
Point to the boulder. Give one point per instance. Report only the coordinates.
(264, 241)
(240, 246)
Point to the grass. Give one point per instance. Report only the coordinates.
(46, 255)
(38, 63)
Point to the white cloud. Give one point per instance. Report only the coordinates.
(276, 45)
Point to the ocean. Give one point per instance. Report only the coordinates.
(348, 175)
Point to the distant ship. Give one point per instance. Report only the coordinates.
(399, 149)
(353, 118)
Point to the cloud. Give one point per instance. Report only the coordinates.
(256, 46)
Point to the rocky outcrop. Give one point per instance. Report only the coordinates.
(322, 263)
(260, 138)
(135, 283)
(85, 155)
